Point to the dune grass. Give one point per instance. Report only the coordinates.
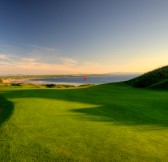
(111, 122)
(156, 79)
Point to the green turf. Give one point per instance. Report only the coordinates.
(112, 122)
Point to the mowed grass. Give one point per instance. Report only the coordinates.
(105, 123)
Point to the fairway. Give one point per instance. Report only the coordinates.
(104, 123)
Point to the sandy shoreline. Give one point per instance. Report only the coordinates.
(23, 80)
(29, 81)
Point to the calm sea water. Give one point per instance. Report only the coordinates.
(79, 80)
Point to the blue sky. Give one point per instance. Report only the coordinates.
(82, 36)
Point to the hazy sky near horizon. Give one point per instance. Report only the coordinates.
(82, 36)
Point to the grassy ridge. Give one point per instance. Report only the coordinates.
(111, 122)
(155, 79)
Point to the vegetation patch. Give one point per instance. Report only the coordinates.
(151, 79)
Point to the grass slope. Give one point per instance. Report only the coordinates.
(111, 122)
(160, 85)
(152, 78)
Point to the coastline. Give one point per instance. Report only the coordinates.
(20, 80)
(29, 81)
(76, 81)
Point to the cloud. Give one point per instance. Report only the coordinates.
(49, 61)
(68, 61)
(2, 56)
(27, 65)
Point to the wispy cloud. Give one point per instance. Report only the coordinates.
(2, 56)
(41, 60)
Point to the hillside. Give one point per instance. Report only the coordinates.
(157, 78)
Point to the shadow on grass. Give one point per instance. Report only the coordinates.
(6, 109)
(118, 104)
(124, 116)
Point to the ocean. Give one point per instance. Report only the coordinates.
(79, 80)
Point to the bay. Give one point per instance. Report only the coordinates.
(79, 80)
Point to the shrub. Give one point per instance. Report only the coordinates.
(50, 85)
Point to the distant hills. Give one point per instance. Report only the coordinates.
(156, 79)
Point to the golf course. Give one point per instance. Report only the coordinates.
(102, 123)
(83, 80)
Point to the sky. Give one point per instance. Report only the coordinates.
(82, 36)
